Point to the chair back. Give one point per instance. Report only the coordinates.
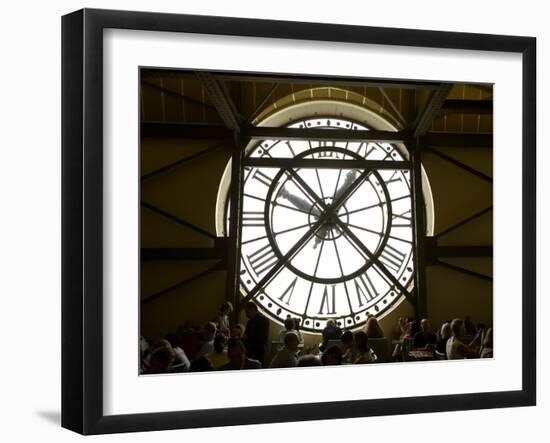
(406, 347)
(276, 346)
(334, 342)
(380, 348)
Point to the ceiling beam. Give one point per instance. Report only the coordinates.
(431, 109)
(327, 81)
(177, 95)
(299, 79)
(219, 96)
(288, 163)
(457, 140)
(184, 130)
(460, 251)
(314, 134)
(215, 253)
(452, 106)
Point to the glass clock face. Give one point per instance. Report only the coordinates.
(326, 243)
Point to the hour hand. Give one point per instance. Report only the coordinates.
(300, 203)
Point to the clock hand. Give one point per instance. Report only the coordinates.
(305, 206)
(350, 178)
(300, 203)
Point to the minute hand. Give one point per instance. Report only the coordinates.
(300, 203)
(341, 198)
(350, 177)
(344, 193)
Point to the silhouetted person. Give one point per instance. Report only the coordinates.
(201, 364)
(236, 353)
(286, 357)
(308, 360)
(469, 327)
(208, 339)
(444, 335)
(181, 362)
(347, 347)
(332, 356)
(424, 337)
(256, 333)
(290, 326)
(218, 357)
(456, 348)
(363, 353)
(372, 328)
(331, 332)
(222, 318)
(161, 358)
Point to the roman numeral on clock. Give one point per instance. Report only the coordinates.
(287, 295)
(368, 148)
(402, 219)
(253, 218)
(392, 179)
(392, 258)
(263, 178)
(365, 289)
(262, 259)
(327, 154)
(328, 302)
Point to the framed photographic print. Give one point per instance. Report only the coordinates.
(270, 221)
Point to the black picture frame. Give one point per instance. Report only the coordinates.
(82, 218)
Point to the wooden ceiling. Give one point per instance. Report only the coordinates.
(180, 97)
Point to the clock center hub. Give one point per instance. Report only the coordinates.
(330, 228)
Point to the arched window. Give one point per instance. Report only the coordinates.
(326, 222)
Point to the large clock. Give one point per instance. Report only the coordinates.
(326, 242)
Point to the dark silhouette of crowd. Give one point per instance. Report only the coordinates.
(221, 345)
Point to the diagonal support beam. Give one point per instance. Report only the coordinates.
(219, 96)
(431, 109)
(217, 267)
(465, 271)
(260, 107)
(463, 222)
(183, 161)
(459, 164)
(393, 106)
(178, 220)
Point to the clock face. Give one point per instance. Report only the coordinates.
(326, 243)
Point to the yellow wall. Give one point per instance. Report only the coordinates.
(190, 192)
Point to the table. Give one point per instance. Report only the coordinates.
(421, 354)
